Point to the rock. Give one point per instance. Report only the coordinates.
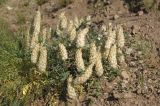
(141, 61)
(128, 95)
(125, 76)
(115, 16)
(107, 2)
(135, 29)
(123, 85)
(132, 64)
(139, 91)
(116, 94)
(139, 52)
(140, 13)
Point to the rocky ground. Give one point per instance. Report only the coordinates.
(142, 49)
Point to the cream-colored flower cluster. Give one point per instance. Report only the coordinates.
(71, 30)
(36, 42)
(114, 43)
(63, 52)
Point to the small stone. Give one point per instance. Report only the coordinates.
(132, 64)
(140, 13)
(128, 95)
(120, 12)
(115, 16)
(125, 76)
(139, 52)
(125, 6)
(123, 85)
(135, 29)
(141, 61)
(107, 2)
(139, 91)
(116, 95)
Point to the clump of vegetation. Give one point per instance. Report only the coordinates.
(48, 61)
(142, 45)
(88, 48)
(137, 5)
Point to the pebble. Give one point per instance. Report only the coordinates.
(116, 94)
(115, 16)
(132, 64)
(135, 29)
(125, 76)
(140, 13)
(128, 95)
(108, 2)
(141, 61)
(139, 52)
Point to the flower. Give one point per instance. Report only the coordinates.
(34, 54)
(76, 22)
(93, 53)
(73, 34)
(81, 37)
(72, 31)
(112, 58)
(70, 90)
(109, 42)
(58, 31)
(44, 35)
(42, 63)
(120, 37)
(88, 19)
(63, 20)
(79, 60)
(26, 89)
(36, 25)
(84, 77)
(98, 66)
(63, 52)
(103, 28)
(70, 25)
